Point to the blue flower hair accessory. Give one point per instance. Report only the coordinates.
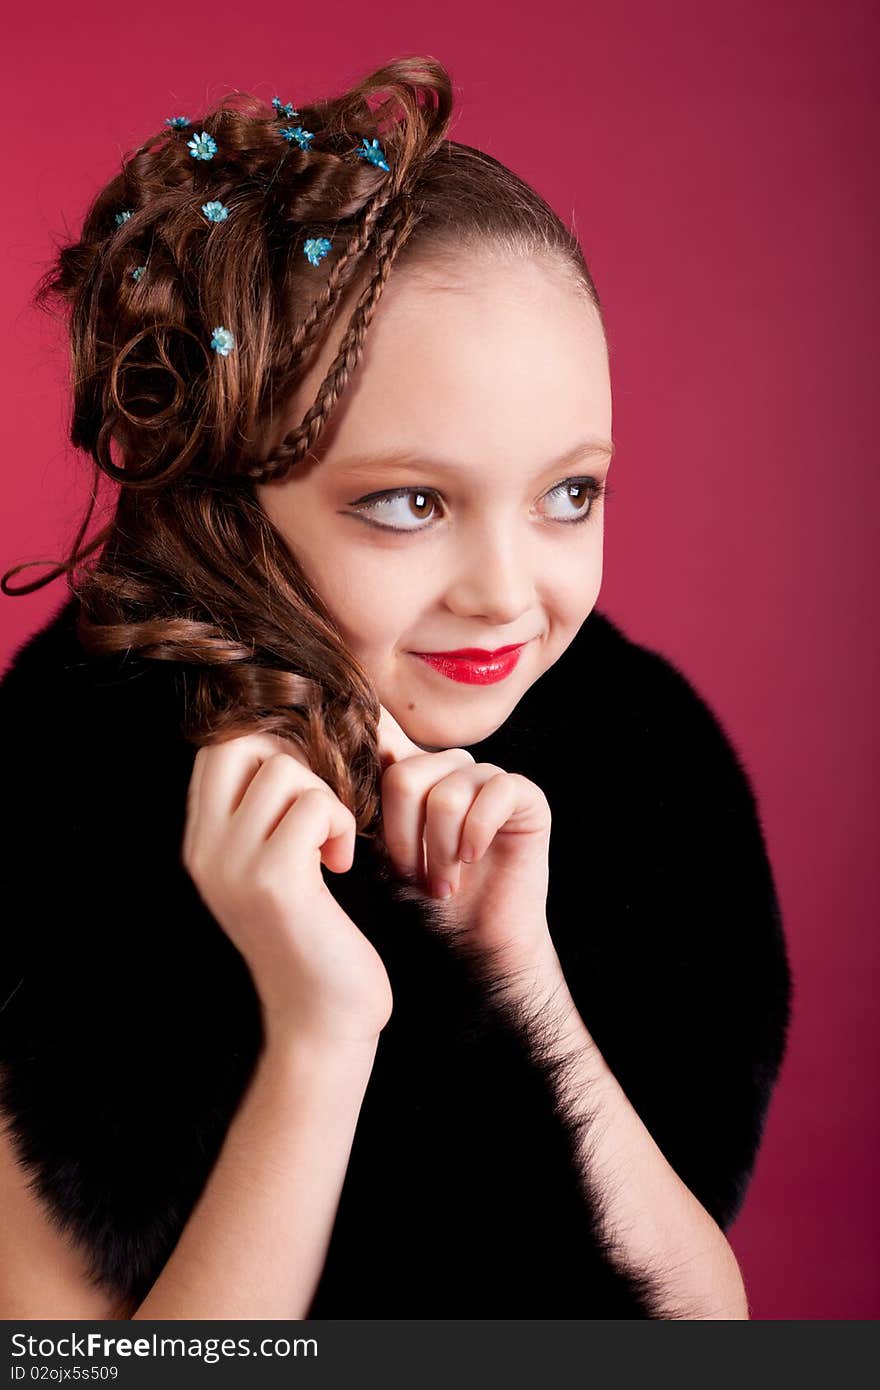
(122, 217)
(223, 341)
(296, 132)
(372, 151)
(316, 248)
(202, 146)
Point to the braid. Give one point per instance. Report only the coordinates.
(342, 272)
(299, 441)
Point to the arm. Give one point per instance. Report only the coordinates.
(256, 1241)
(653, 1221)
(678, 961)
(192, 1183)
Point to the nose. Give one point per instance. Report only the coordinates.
(493, 576)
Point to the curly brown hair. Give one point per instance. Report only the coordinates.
(190, 569)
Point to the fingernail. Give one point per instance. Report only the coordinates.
(443, 889)
(467, 854)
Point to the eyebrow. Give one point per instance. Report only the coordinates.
(390, 459)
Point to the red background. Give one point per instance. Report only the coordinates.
(720, 167)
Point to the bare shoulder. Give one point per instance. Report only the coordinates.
(42, 1274)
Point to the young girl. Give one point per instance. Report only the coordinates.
(513, 1055)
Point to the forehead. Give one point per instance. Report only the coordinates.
(495, 362)
(488, 364)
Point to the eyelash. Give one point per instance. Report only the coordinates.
(594, 487)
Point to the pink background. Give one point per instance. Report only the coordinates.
(720, 165)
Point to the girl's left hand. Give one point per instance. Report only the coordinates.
(438, 806)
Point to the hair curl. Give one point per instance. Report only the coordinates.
(191, 570)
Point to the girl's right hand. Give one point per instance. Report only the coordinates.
(259, 823)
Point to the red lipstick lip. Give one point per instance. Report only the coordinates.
(476, 669)
(475, 653)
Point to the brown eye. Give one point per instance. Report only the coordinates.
(395, 507)
(579, 496)
(421, 503)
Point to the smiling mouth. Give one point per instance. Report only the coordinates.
(481, 668)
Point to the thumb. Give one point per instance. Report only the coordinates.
(394, 744)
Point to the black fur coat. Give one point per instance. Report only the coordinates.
(129, 1025)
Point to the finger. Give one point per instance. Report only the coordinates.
(447, 807)
(404, 789)
(393, 744)
(507, 800)
(316, 821)
(272, 790)
(192, 798)
(228, 771)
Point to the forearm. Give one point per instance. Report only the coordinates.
(653, 1220)
(256, 1241)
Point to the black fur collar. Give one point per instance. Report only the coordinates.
(129, 1024)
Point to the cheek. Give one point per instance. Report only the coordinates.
(573, 586)
(370, 592)
(374, 609)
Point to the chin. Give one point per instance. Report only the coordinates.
(429, 740)
(434, 742)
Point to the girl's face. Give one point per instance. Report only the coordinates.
(481, 530)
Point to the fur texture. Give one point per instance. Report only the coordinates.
(129, 1025)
